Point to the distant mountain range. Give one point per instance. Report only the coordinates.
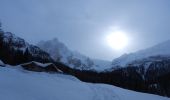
(146, 70)
(161, 49)
(15, 50)
(59, 52)
(54, 50)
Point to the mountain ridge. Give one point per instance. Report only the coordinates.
(15, 50)
(161, 49)
(59, 52)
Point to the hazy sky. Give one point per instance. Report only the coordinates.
(82, 24)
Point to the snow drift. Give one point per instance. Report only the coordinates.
(18, 84)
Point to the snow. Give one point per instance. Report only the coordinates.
(24, 85)
(162, 49)
(42, 65)
(1, 63)
(18, 43)
(9, 37)
(73, 59)
(101, 65)
(37, 63)
(56, 49)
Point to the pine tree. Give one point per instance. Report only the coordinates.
(26, 55)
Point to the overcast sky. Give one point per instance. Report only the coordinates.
(82, 24)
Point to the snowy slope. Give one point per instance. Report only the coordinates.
(61, 53)
(17, 84)
(101, 65)
(157, 50)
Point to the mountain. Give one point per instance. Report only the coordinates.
(148, 75)
(59, 52)
(15, 50)
(150, 67)
(18, 84)
(148, 71)
(162, 49)
(145, 71)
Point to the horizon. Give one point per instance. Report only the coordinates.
(58, 41)
(84, 25)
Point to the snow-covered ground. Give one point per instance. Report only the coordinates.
(1, 63)
(18, 84)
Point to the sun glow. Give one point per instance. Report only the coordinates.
(117, 40)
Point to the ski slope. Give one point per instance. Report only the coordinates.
(18, 84)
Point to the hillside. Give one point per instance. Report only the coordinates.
(59, 52)
(161, 49)
(15, 50)
(18, 84)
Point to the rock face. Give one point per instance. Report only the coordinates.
(14, 50)
(59, 52)
(147, 75)
(151, 68)
(39, 67)
(161, 49)
(154, 71)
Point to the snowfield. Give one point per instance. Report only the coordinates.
(18, 84)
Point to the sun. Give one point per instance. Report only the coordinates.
(117, 40)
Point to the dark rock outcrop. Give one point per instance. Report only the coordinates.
(14, 50)
(39, 67)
